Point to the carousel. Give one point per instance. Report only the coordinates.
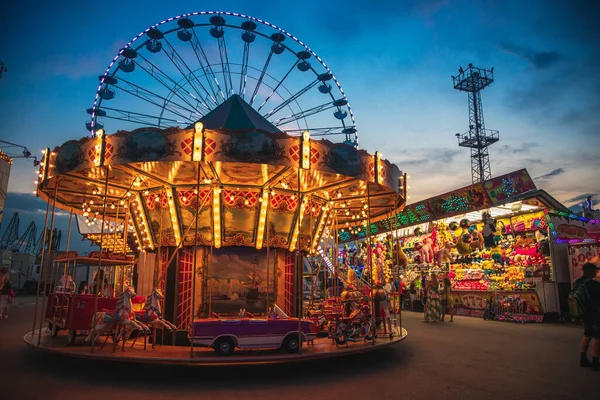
(217, 202)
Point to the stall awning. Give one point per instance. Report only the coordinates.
(507, 194)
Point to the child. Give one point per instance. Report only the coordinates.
(447, 300)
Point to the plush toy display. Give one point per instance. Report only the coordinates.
(444, 234)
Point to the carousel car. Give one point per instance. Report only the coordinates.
(225, 334)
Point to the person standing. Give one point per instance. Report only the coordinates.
(447, 300)
(591, 316)
(433, 306)
(7, 294)
(412, 295)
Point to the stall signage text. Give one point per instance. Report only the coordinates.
(66, 255)
(566, 231)
(110, 256)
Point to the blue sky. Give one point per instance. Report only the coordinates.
(394, 60)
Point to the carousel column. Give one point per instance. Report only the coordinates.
(45, 254)
(304, 165)
(125, 231)
(114, 249)
(48, 271)
(65, 269)
(194, 267)
(63, 282)
(265, 206)
(398, 249)
(299, 279)
(101, 237)
(370, 260)
(37, 293)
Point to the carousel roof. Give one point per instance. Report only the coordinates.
(236, 115)
(231, 179)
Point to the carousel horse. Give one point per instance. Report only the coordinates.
(105, 321)
(151, 315)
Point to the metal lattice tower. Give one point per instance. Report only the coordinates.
(473, 80)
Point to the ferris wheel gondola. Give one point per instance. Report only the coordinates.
(181, 69)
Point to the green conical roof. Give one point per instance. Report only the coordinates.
(235, 114)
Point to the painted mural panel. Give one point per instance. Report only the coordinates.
(237, 280)
(281, 217)
(240, 208)
(159, 218)
(187, 208)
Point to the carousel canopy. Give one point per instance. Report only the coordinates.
(231, 179)
(236, 115)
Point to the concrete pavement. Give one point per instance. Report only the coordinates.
(468, 359)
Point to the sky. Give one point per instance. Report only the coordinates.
(394, 60)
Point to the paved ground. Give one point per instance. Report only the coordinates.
(469, 359)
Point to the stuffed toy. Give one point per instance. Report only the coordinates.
(426, 251)
(443, 255)
(477, 240)
(402, 258)
(463, 244)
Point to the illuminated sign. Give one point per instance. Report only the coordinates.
(461, 201)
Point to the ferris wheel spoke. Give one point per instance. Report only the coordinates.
(180, 64)
(303, 114)
(225, 65)
(139, 118)
(262, 75)
(157, 100)
(291, 99)
(325, 131)
(277, 86)
(244, 69)
(162, 78)
(205, 65)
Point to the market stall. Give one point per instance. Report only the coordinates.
(491, 240)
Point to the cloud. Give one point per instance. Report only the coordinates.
(556, 172)
(533, 160)
(524, 148)
(538, 59)
(430, 157)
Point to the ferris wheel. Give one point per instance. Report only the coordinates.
(181, 69)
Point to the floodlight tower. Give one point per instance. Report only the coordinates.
(473, 80)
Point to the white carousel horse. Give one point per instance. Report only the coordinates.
(152, 313)
(105, 321)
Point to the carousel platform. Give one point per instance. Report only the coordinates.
(180, 355)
